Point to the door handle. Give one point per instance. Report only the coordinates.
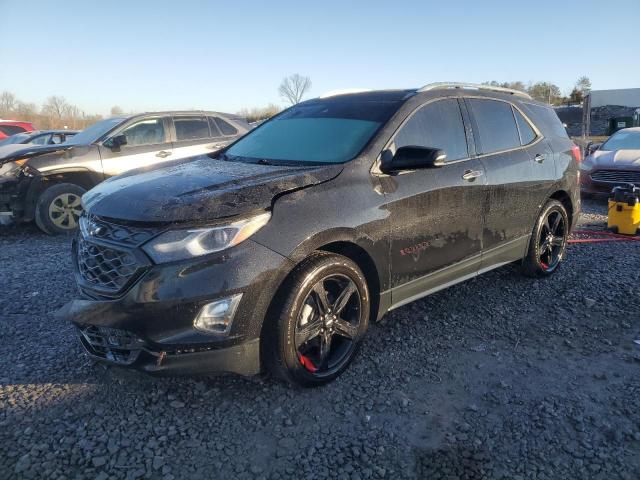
(471, 175)
(163, 154)
(539, 158)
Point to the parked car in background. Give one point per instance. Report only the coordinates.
(18, 141)
(11, 127)
(45, 183)
(39, 137)
(276, 252)
(614, 162)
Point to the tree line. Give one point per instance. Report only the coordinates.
(55, 113)
(549, 92)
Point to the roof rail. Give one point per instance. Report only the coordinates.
(474, 86)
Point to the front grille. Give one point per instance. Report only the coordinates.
(616, 176)
(99, 229)
(106, 268)
(112, 344)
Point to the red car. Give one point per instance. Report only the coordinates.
(11, 127)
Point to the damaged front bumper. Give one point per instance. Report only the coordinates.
(150, 326)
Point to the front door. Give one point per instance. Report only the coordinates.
(436, 214)
(147, 144)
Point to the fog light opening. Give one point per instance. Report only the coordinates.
(216, 317)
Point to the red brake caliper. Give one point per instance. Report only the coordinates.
(307, 363)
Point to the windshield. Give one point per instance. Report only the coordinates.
(623, 141)
(318, 131)
(17, 138)
(94, 132)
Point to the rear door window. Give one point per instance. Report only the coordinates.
(225, 127)
(191, 128)
(495, 125)
(527, 134)
(436, 125)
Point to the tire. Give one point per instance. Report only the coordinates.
(58, 208)
(548, 243)
(298, 313)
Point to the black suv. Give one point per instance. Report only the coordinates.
(276, 253)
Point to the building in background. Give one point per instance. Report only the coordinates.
(606, 111)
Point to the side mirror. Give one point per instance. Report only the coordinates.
(413, 158)
(592, 147)
(114, 143)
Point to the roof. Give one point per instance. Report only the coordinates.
(40, 132)
(367, 95)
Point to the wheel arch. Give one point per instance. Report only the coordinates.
(84, 178)
(563, 197)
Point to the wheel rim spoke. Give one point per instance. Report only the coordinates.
(344, 298)
(325, 348)
(308, 332)
(556, 223)
(321, 297)
(346, 329)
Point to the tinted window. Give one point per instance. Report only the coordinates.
(145, 132)
(41, 139)
(191, 128)
(436, 125)
(527, 134)
(11, 129)
(495, 123)
(547, 120)
(225, 127)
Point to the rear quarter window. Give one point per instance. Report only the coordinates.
(546, 120)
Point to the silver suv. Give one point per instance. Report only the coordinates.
(45, 183)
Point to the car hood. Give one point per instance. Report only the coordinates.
(616, 158)
(29, 151)
(199, 189)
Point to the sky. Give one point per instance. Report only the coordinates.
(228, 55)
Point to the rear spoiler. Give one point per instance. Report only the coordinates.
(31, 152)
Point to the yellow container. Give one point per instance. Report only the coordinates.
(624, 217)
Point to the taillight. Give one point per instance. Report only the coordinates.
(577, 153)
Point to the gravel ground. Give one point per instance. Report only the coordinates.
(499, 377)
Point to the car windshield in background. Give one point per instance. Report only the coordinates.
(319, 131)
(13, 139)
(623, 141)
(95, 131)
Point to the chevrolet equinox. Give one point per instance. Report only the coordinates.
(275, 253)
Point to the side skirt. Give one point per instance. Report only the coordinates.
(456, 273)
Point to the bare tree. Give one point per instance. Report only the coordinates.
(55, 107)
(584, 85)
(293, 88)
(7, 102)
(116, 110)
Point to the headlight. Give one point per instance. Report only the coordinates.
(193, 242)
(11, 168)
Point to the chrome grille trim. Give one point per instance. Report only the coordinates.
(105, 268)
(616, 176)
(95, 228)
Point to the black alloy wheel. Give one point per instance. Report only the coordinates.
(548, 243)
(321, 316)
(552, 240)
(328, 324)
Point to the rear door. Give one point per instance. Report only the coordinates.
(147, 144)
(193, 135)
(513, 176)
(436, 214)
